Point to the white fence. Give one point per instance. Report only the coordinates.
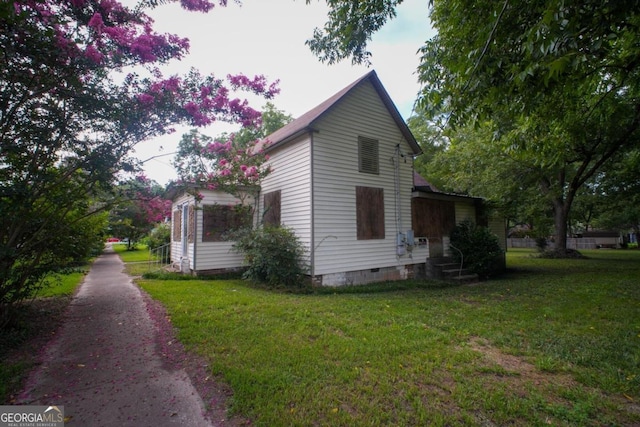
(572, 243)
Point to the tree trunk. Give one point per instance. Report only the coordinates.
(560, 217)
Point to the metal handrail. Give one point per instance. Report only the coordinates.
(461, 259)
(159, 257)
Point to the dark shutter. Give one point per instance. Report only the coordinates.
(370, 213)
(368, 158)
(177, 224)
(272, 201)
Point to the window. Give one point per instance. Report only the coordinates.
(370, 213)
(177, 226)
(368, 161)
(217, 220)
(272, 208)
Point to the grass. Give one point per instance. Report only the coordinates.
(136, 260)
(552, 342)
(34, 324)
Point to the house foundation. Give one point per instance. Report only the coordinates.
(362, 277)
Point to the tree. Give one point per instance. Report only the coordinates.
(433, 142)
(70, 114)
(138, 208)
(557, 81)
(621, 186)
(473, 163)
(235, 162)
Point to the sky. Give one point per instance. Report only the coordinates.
(268, 37)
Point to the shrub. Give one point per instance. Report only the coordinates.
(541, 244)
(274, 255)
(480, 249)
(159, 236)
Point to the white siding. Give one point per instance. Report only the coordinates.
(335, 175)
(214, 255)
(291, 174)
(176, 246)
(464, 211)
(497, 226)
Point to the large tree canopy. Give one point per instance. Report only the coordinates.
(558, 82)
(71, 111)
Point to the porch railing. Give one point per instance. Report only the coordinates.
(159, 257)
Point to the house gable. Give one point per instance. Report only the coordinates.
(307, 122)
(346, 238)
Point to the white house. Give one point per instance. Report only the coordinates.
(342, 179)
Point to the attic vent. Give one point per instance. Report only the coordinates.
(368, 155)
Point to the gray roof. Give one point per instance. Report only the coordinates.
(304, 123)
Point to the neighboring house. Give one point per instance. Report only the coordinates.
(342, 178)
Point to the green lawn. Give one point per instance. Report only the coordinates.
(136, 261)
(140, 253)
(554, 342)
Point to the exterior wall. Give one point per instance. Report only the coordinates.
(464, 211)
(204, 256)
(335, 176)
(498, 227)
(291, 174)
(214, 255)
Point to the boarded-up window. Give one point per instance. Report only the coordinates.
(370, 213)
(218, 220)
(177, 225)
(368, 158)
(432, 218)
(272, 208)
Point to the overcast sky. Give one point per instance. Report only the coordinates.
(268, 37)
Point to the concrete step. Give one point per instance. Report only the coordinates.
(466, 279)
(454, 272)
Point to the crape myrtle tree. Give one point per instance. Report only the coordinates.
(235, 162)
(80, 85)
(139, 207)
(557, 82)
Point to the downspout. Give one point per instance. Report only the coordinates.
(400, 237)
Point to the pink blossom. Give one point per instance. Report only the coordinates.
(197, 5)
(93, 54)
(146, 99)
(191, 108)
(96, 22)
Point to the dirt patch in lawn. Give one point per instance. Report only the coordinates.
(518, 376)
